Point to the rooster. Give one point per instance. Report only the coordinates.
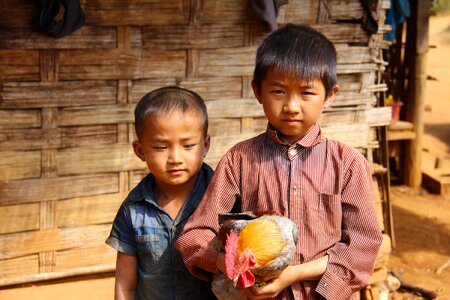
(256, 243)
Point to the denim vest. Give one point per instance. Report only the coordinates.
(143, 229)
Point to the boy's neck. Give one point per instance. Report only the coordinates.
(171, 198)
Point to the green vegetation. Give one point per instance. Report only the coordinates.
(441, 6)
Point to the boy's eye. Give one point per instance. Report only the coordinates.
(277, 92)
(189, 146)
(159, 148)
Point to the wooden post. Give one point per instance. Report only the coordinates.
(416, 94)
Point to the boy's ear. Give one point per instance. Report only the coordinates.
(206, 145)
(137, 147)
(331, 96)
(256, 91)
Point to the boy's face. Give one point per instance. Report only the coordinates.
(290, 105)
(173, 146)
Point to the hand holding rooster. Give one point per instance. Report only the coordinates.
(256, 243)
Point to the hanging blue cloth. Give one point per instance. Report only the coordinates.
(396, 15)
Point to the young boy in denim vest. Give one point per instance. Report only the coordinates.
(324, 186)
(172, 129)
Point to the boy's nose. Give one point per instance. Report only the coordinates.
(292, 105)
(174, 155)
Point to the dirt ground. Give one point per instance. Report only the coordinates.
(421, 220)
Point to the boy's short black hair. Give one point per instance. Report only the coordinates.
(298, 50)
(165, 100)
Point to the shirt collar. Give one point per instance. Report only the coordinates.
(145, 192)
(313, 137)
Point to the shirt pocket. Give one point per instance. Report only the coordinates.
(151, 249)
(330, 214)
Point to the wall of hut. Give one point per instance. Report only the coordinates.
(66, 110)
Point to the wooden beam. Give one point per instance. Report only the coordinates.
(415, 111)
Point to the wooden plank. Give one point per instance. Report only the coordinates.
(220, 127)
(57, 94)
(138, 88)
(91, 210)
(123, 113)
(228, 12)
(120, 64)
(206, 36)
(298, 11)
(75, 136)
(45, 189)
(343, 33)
(20, 65)
(53, 138)
(76, 258)
(97, 158)
(87, 37)
(17, 13)
(355, 135)
(234, 108)
(99, 114)
(400, 135)
(30, 139)
(137, 12)
(354, 99)
(222, 144)
(383, 254)
(345, 10)
(378, 204)
(214, 88)
(337, 117)
(17, 267)
(15, 218)
(20, 164)
(355, 68)
(136, 176)
(29, 118)
(437, 181)
(375, 116)
(25, 243)
(352, 54)
(103, 268)
(237, 61)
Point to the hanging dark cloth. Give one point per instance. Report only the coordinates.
(369, 22)
(60, 17)
(267, 10)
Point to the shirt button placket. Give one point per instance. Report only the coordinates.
(292, 153)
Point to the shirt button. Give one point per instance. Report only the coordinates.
(292, 152)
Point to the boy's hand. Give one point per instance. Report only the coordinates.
(312, 270)
(274, 284)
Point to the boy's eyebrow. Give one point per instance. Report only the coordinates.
(277, 83)
(161, 140)
(302, 85)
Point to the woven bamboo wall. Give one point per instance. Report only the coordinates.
(66, 110)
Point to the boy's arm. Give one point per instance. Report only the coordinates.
(311, 270)
(126, 276)
(351, 260)
(197, 243)
(122, 239)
